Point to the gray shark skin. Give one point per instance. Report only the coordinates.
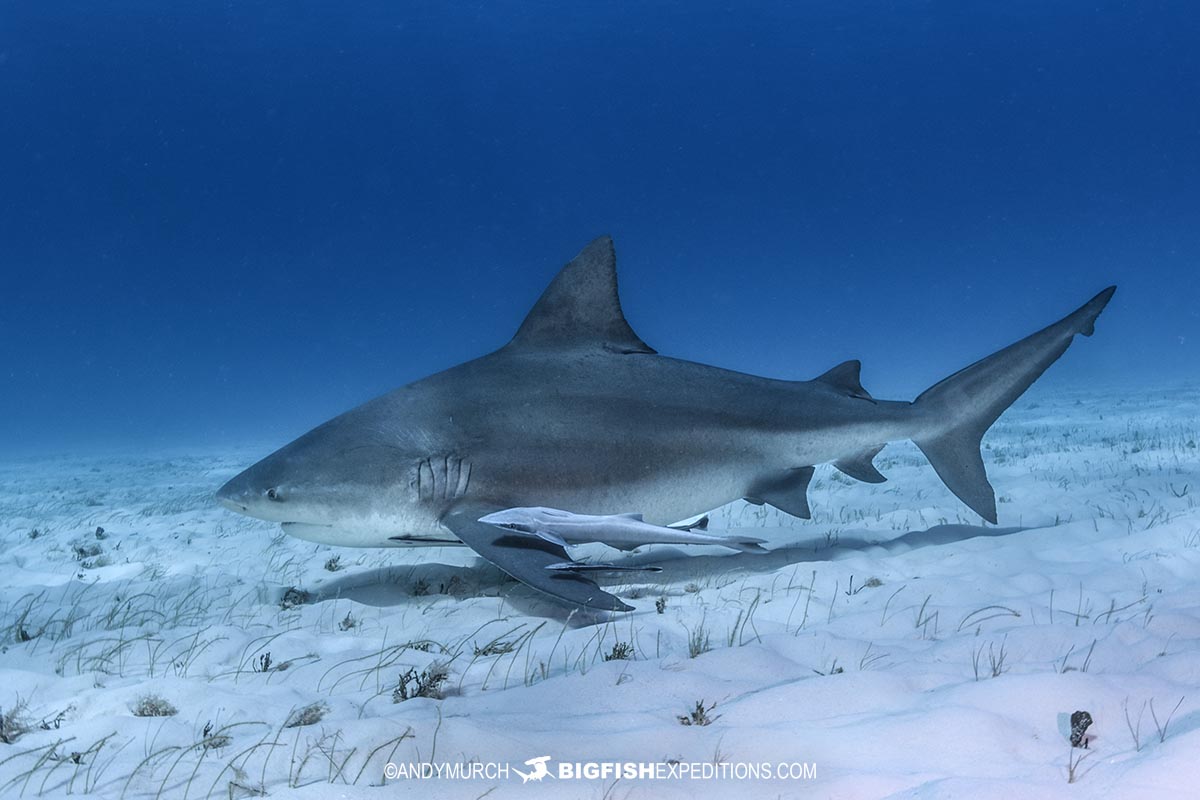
(578, 413)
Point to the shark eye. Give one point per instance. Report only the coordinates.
(273, 494)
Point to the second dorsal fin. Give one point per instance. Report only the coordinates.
(845, 376)
(581, 308)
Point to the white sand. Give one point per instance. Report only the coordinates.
(1087, 597)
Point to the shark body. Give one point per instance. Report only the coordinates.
(576, 412)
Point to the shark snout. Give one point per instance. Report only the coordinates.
(234, 495)
(259, 493)
(250, 493)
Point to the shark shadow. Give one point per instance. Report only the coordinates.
(403, 584)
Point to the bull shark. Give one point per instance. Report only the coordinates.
(577, 413)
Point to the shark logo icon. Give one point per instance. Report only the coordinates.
(538, 772)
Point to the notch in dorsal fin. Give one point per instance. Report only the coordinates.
(581, 307)
(845, 376)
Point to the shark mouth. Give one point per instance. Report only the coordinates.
(331, 533)
(310, 531)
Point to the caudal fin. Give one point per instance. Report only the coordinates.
(970, 400)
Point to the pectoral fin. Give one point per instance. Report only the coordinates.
(530, 559)
(552, 538)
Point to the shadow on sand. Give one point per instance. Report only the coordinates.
(403, 584)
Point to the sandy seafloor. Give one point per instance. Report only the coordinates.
(864, 643)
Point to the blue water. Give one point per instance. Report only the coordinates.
(225, 220)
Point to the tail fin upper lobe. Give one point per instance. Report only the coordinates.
(971, 399)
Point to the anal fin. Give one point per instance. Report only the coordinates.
(786, 490)
(859, 466)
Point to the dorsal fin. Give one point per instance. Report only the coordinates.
(581, 308)
(845, 376)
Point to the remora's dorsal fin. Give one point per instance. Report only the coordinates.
(581, 307)
(845, 376)
(700, 524)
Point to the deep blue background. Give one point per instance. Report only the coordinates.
(221, 220)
